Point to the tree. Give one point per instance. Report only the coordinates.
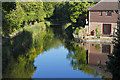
(61, 13)
(6, 8)
(16, 14)
(15, 18)
(114, 59)
(48, 8)
(34, 11)
(78, 11)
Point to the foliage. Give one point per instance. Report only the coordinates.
(97, 33)
(73, 28)
(16, 17)
(96, 30)
(34, 11)
(75, 12)
(97, 46)
(83, 31)
(21, 13)
(61, 13)
(77, 30)
(48, 8)
(113, 64)
(47, 23)
(80, 54)
(78, 11)
(67, 25)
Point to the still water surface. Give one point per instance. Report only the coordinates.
(54, 64)
(52, 55)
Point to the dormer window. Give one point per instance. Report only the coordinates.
(109, 13)
(100, 14)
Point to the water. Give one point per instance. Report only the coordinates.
(51, 55)
(54, 64)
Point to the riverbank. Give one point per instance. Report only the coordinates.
(34, 29)
(39, 26)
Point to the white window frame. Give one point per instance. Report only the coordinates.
(108, 12)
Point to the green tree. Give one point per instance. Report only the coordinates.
(34, 11)
(61, 13)
(16, 14)
(48, 8)
(78, 11)
(16, 17)
(114, 59)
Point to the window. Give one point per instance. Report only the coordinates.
(105, 48)
(106, 28)
(109, 13)
(100, 14)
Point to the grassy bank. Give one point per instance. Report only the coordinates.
(37, 27)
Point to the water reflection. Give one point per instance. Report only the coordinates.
(97, 53)
(97, 56)
(54, 64)
(78, 57)
(16, 63)
(52, 55)
(19, 53)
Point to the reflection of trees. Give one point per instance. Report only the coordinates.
(20, 52)
(77, 55)
(15, 62)
(22, 68)
(114, 59)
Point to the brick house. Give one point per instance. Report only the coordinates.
(104, 17)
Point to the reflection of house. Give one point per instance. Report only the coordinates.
(104, 16)
(97, 56)
(97, 53)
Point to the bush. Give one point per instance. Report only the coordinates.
(77, 30)
(47, 23)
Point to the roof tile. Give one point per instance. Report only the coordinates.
(105, 6)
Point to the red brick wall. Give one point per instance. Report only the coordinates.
(94, 17)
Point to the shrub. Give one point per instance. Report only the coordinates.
(77, 30)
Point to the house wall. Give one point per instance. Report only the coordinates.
(94, 17)
(99, 25)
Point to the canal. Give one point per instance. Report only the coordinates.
(52, 55)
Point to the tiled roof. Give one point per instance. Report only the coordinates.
(105, 5)
(109, 0)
